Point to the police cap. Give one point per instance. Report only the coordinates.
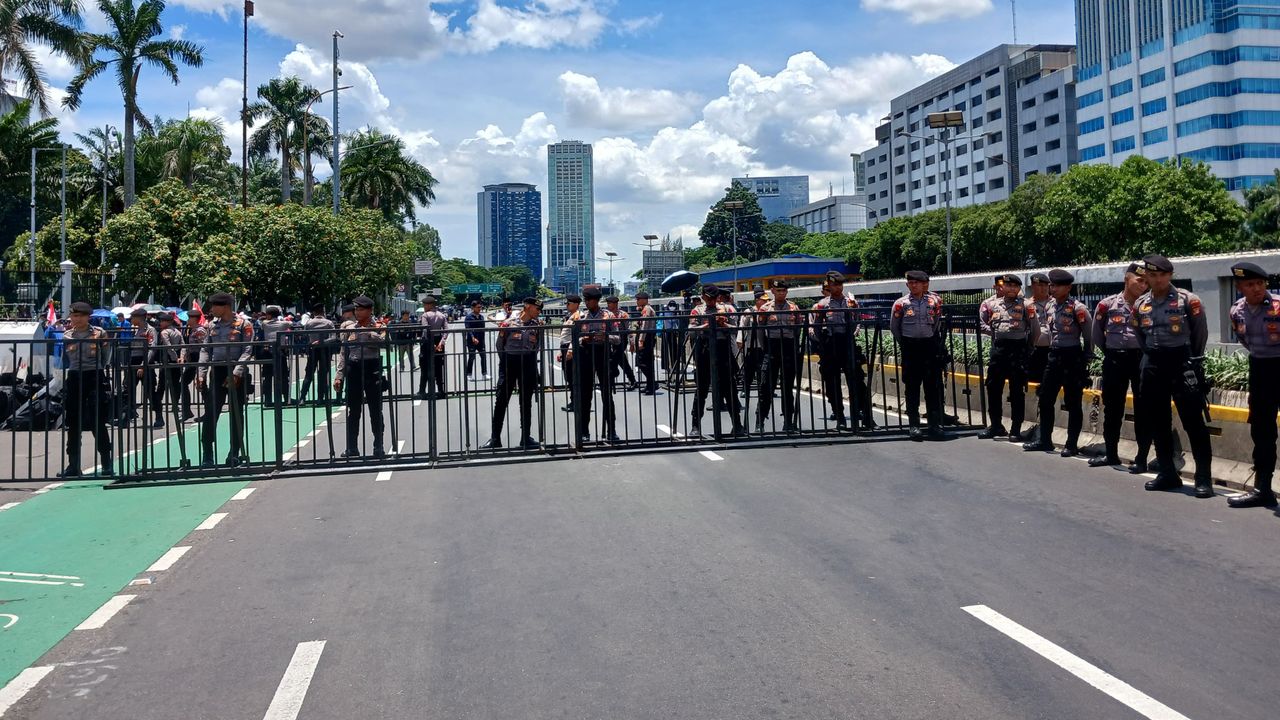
(611, 299)
(138, 312)
(1058, 276)
(918, 275)
(724, 293)
(348, 308)
(1039, 278)
(642, 295)
(1135, 268)
(834, 276)
(1012, 279)
(221, 299)
(532, 301)
(573, 298)
(1243, 271)
(81, 308)
(1159, 263)
(363, 301)
(710, 291)
(592, 293)
(273, 310)
(1001, 279)
(164, 315)
(758, 293)
(781, 284)
(429, 299)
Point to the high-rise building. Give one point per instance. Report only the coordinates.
(1016, 102)
(778, 196)
(837, 213)
(658, 263)
(509, 218)
(571, 251)
(1193, 79)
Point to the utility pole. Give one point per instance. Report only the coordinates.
(337, 159)
(244, 111)
(63, 196)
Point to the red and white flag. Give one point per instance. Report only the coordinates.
(51, 316)
(195, 307)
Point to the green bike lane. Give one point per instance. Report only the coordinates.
(65, 552)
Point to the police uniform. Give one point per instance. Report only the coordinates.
(751, 340)
(1257, 327)
(710, 325)
(1070, 346)
(618, 351)
(275, 357)
(320, 347)
(141, 370)
(834, 324)
(360, 373)
(591, 362)
(195, 334)
(1172, 331)
(518, 345)
(646, 339)
(1116, 334)
(566, 362)
(1014, 328)
(1039, 356)
(86, 395)
(916, 323)
(223, 373)
(782, 323)
(168, 355)
(434, 324)
(474, 322)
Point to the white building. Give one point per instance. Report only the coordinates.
(838, 213)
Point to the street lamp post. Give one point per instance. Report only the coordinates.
(734, 206)
(34, 151)
(944, 121)
(306, 155)
(244, 110)
(102, 251)
(613, 258)
(337, 164)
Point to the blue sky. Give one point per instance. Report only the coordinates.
(676, 96)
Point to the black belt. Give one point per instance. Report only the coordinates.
(1068, 349)
(1121, 351)
(1010, 341)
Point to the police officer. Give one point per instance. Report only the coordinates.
(1172, 330)
(1069, 326)
(518, 345)
(474, 323)
(1116, 334)
(591, 360)
(916, 323)
(1010, 320)
(434, 324)
(751, 345)
(571, 305)
(644, 341)
(618, 351)
(86, 354)
(168, 356)
(360, 369)
(1039, 357)
(834, 324)
(274, 356)
(782, 320)
(711, 326)
(1256, 321)
(223, 370)
(140, 369)
(319, 354)
(195, 333)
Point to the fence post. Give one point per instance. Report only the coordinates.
(276, 402)
(67, 268)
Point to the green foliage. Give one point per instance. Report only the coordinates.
(778, 235)
(1227, 370)
(701, 257)
(717, 231)
(1262, 208)
(82, 248)
(26, 24)
(19, 133)
(379, 174)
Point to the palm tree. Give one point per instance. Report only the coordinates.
(131, 44)
(103, 145)
(23, 23)
(191, 150)
(283, 102)
(18, 135)
(318, 142)
(378, 173)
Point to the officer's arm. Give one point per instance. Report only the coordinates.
(895, 321)
(1099, 334)
(1137, 324)
(1199, 326)
(984, 318)
(1086, 328)
(205, 356)
(566, 333)
(1237, 317)
(246, 352)
(1033, 323)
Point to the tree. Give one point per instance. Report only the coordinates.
(190, 150)
(82, 248)
(312, 135)
(699, 258)
(104, 147)
(379, 174)
(718, 229)
(1262, 205)
(18, 135)
(426, 242)
(23, 25)
(282, 103)
(776, 236)
(129, 46)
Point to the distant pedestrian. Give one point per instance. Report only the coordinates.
(519, 344)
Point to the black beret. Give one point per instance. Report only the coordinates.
(532, 301)
(611, 299)
(196, 312)
(1001, 279)
(642, 295)
(1135, 268)
(834, 276)
(1012, 279)
(1039, 278)
(781, 284)
(429, 300)
(724, 293)
(81, 307)
(221, 299)
(592, 293)
(1058, 276)
(348, 308)
(138, 312)
(572, 298)
(918, 275)
(317, 309)
(164, 315)
(1158, 263)
(710, 290)
(363, 301)
(1241, 271)
(758, 293)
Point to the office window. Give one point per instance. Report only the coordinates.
(1028, 104)
(1030, 151)
(1092, 98)
(898, 151)
(1051, 95)
(1148, 79)
(1053, 144)
(900, 169)
(884, 194)
(931, 200)
(1123, 144)
(1054, 169)
(964, 192)
(1152, 107)
(980, 188)
(1240, 53)
(962, 171)
(931, 180)
(997, 183)
(978, 166)
(931, 160)
(993, 92)
(1029, 128)
(900, 187)
(1227, 121)
(884, 176)
(915, 184)
(913, 127)
(1124, 87)
(996, 160)
(1229, 88)
(1121, 117)
(915, 165)
(1159, 135)
(977, 144)
(975, 101)
(900, 207)
(915, 204)
(991, 72)
(914, 146)
(996, 137)
(959, 106)
(1028, 174)
(995, 114)
(961, 150)
(871, 162)
(977, 121)
(1052, 120)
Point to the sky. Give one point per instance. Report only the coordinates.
(676, 97)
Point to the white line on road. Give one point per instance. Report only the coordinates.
(6, 506)
(212, 521)
(667, 431)
(47, 488)
(292, 690)
(709, 455)
(18, 687)
(167, 560)
(383, 476)
(105, 613)
(246, 492)
(1118, 689)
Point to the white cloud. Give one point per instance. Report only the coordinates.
(637, 25)
(621, 109)
(927, 11)
(362, 103)
(177, 32)
(537, 24)
(56, 67)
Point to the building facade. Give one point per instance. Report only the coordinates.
(659, 263)
(838, 213)
(1193, 79)
(509, 218)
(778, 196)
(1004, 94)
(571, 252)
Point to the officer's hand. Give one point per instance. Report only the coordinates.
(200, 383)
(475, 341)
(568, 354)
(440, 347)
(739, 344)
(337, 384)
(139, 372)
(233, 380)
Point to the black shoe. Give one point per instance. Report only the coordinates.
(1163, 482)
(585, 439)
(1070, 451)
(936, 433)
(233, 461)
(868, 423)
(916, 434)
(106, 469)
(188, 416)
(70, 472)
(759, 427)
(1037, 446)
(378, 452)
(1253, 498)
(208, 464)
(739, 431)
(422, 396)
(350, 453)
(1204, 488)
(492, 443)
(1014, 437)
(614, 439)
(992, 433)
(530, 444)
(1154, 466)
(1137, 468)
(842, 425)
(1103, 461)
(157, 423)
(567, 408)
(790, 428)
(695, 431)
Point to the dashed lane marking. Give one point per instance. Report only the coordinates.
(167, 560)
(212, 521)
(1119, 690)
(710, 455)
(21, 685)
(12, 576)
(246, 492)
(105, 613)
(47, 488)
(292, 691)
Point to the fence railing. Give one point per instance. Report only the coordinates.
(210, 411)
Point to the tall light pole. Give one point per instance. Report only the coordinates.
(649, 242)
(337, 160)
(306, 155)
(734, 206)
(944, 121)
(613, 258)
(102, 251)
(34, 151)
(244, 111)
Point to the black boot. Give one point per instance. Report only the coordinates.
(992, 432)
(1260, 496)
(1204, 485)
(1104, 461)
(106, 468)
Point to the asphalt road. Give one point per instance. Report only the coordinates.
(825, 582)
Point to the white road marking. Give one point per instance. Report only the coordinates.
(399, 447)
(667, 430)
(39, 578)
(1144, 704)
(710, 455)
(7, 506)
(246, 492)
(383, 476)
(417, 403)
(47, 488)
(142, 581)
(287, 457)
(18, 687)
(105, 613)
(292, 690)
(212, 521)
(167, 560)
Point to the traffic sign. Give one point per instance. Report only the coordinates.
(477, 289)
(423, 267)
